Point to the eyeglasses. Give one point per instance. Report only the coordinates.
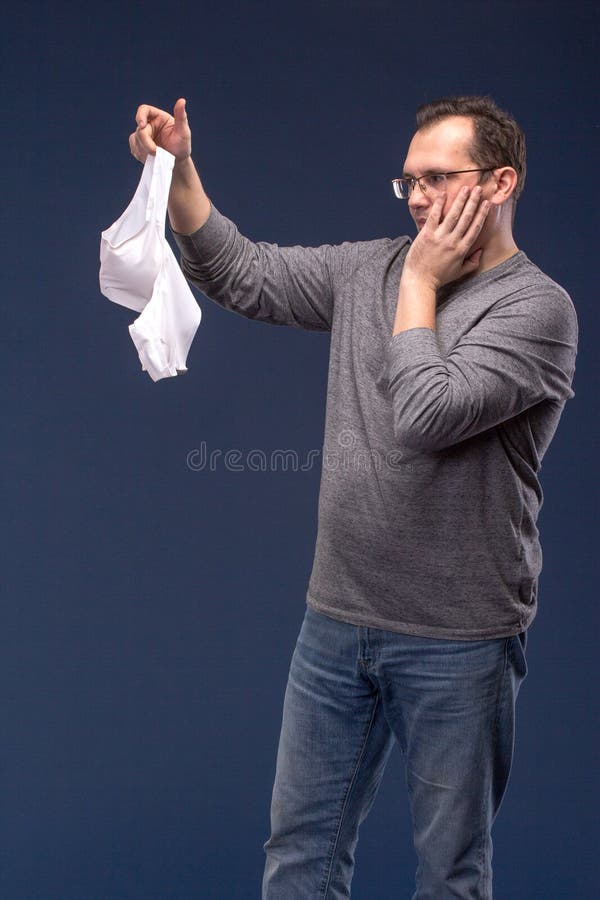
(435, 183)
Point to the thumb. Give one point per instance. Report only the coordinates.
(472, 261)
(179, 114)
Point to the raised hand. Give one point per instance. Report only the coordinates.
(157, 128)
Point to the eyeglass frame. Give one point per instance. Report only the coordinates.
(417, 181)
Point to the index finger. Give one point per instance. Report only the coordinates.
(462, 212)
(435, 216)
(144, 113)
(458, 207)
(143, 136)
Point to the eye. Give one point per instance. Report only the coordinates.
(434, 181)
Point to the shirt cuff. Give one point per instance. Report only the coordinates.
(207, 241)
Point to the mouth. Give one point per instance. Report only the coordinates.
(420, 222)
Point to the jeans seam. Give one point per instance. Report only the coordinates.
(334, 844)
(485, 804)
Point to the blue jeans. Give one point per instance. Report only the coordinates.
(354, 691)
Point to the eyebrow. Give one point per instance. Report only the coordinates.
(426, 172)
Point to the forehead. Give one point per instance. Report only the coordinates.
(444, 146)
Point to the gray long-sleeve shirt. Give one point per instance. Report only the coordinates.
(433, 440)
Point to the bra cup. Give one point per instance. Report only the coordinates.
(139, 271)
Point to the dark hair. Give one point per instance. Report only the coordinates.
(498, 140)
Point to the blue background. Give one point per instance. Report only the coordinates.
(149, 611)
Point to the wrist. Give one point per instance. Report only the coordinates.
(183, 169)
(421, 282)
(416, 304)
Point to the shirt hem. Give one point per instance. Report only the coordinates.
(431, 631)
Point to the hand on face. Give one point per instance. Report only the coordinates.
(446, 247)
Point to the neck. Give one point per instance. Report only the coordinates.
(496, 251)
(496, 238)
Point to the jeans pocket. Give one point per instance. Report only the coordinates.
(516, 654)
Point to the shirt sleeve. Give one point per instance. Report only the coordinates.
(280, 285)
(518, 355)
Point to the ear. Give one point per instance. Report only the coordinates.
(506, 182)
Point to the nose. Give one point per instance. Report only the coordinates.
(418, 199)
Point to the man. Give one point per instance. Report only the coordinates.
(451, 361)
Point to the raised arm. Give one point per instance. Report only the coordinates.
(279, 285)
(189, 207)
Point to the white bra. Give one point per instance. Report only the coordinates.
(138, 270)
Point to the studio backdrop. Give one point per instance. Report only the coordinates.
(152, 590)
